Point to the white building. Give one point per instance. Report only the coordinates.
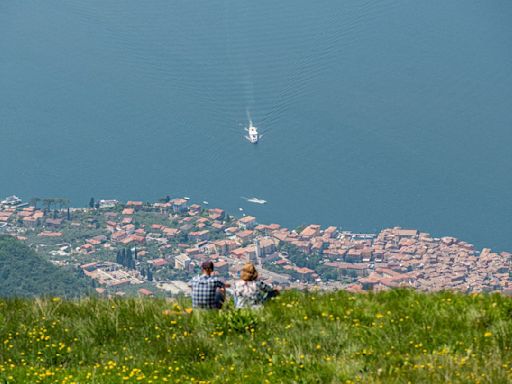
(182, 261)
(107, 204)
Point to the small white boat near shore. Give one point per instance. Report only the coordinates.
(255, 200)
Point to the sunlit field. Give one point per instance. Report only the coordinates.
(392, 337)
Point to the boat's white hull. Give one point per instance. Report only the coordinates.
(257, 201)
(252, 139)
(254, 200)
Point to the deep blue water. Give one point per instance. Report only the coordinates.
(376, 113)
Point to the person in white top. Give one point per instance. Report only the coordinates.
(250, 292)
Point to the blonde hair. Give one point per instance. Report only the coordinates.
(249, 272)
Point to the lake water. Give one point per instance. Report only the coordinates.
(375, 113)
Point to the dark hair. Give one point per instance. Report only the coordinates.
(207, 265)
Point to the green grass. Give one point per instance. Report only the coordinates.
(391, 337)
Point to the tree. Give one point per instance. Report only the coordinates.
(301, 259)
(62, 202)
(327, 273)
(34, 201)
(123, 257)
(24, 273)
(47, 203)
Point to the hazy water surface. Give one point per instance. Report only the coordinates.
(375, 113)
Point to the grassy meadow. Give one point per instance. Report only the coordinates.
(391, 337)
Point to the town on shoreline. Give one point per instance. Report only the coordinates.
(155, 248)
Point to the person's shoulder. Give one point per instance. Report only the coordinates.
(263, 285)
(215, 279)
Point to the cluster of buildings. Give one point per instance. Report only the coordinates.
(110, 274)
(177, 236)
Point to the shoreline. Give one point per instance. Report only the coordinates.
(172, 236)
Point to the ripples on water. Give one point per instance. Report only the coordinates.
(373, 111)
(255, 56)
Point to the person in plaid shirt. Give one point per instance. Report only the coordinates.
(208, 291)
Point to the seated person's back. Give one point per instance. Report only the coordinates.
(248, 291)
(207, 290)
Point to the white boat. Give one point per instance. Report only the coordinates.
(240, 209)
(187, 198)
(255, 200)
(252, 133)
(205, 202)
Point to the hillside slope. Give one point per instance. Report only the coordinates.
(23, 273)
(393, 337)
